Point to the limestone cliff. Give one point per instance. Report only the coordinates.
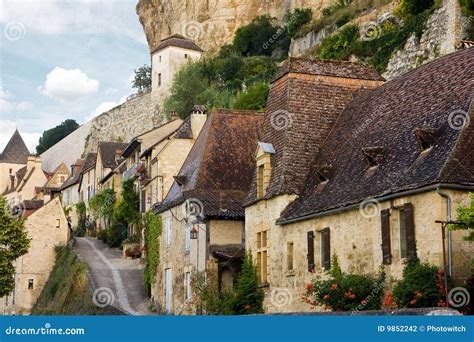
(210, 23)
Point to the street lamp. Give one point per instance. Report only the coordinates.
(193, 233)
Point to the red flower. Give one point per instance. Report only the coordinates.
(334, 286)
(309, 286)
(418, 294)
(363, 302)
(247, 307)
(326, 297)
(413, 302)
(442, 303)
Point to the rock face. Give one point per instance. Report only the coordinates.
(211, 23)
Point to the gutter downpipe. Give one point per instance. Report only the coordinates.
(449, 219)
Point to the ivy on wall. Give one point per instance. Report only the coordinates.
(152, 225)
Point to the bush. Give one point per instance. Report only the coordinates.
(208, 295)
(411, 8)
(133, 252)
(254, 98)
(340, 45)
(298, 18)
(153, 226)
(345, 292)
(422, 285)
(248, 295)
(102, 235)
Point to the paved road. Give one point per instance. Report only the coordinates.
(116, 280)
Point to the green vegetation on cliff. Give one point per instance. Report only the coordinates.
(67, 291)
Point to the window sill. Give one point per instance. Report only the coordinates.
(266, 285)
(290, 273)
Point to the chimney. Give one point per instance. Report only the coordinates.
(31, 161)
(198, 118)
(174, 115)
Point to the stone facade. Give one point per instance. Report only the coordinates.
(47, 227)
(355, 238)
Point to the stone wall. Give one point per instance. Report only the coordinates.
(355, 239)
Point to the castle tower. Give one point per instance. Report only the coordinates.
(14, 157)
(172, 53)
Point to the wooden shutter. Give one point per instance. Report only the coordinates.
(143, 201)
(386, 246)
(310, 255)
(326, 252)
(410, 230)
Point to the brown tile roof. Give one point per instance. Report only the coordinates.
(74, 177)
(328, 68)
(301, 111)
(15, 151)
(107, 150)
(89, 162)
(218, 170)
(178, 41)
(389, 117)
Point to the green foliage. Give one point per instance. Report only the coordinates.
(53, 135)
(67, 291)
(153, 226)
(254, 97)
(340, 45)
(248, 295)
(422, 285)
(298, 18)
(260, 37)
(102, 205)
(465, 221)
(467, 7)
(210, 297)
(81, 219)
(216, 82)
(345, 292)
(411, 8)
(102, 235)
(14, 243)
(142, 80)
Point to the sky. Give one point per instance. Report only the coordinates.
(65, 59)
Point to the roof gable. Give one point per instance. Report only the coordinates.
(107, 152)
(15, 151)
(177, 40)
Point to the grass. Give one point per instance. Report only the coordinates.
(67, 291)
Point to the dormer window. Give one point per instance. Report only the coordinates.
(374, 155)
(265, 156)
(426, 138)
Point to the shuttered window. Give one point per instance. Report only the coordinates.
(407, 232)
(386, 246)
(325, 249)
(310, 256)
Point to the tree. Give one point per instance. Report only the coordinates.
(254, 98)
(249, 296)
(14, 243)
(297, 19)
(465, 221)
(53, 135)
(142, 80)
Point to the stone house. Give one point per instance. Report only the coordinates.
(368, 180)
(12, 159)
(55, 180)
(87, 186)
(168, 57)
(47, 228)
(108, 159)
(203, 218)
(70, 192)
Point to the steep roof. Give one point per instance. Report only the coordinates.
(107, 151)
(74, 177)
(218, 170)
(177, 40)
(328, 68)
(184, 131)
(301, 111)
(433, 100)
(15, 151)
(89, 162)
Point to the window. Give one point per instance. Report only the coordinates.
(187, 286)
(310, 255)
(289, 256)
(159, 79)
(374, 155)
(262, 256)
(386, 243)
(30, 284)
(325, 249)
(168, 231)
(407, 232)
(187, 240)
(61, 179)
(159, 59)
(426, 137)
(260, 181)
(58, 223)
(11, 171)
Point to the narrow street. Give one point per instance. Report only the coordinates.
(116, 281)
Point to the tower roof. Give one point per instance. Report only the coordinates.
(177, 40)
(16, 151)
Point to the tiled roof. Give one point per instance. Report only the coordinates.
(301, 111)
(107, 152)
(15, 151)
(73, 178)
(218, 170)
(328, 68)
(178, 41)
(437, 96)
(89, 162)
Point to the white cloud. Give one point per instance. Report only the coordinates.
(14, 107)
(6, 131)
(67, 85)
(4, 94)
